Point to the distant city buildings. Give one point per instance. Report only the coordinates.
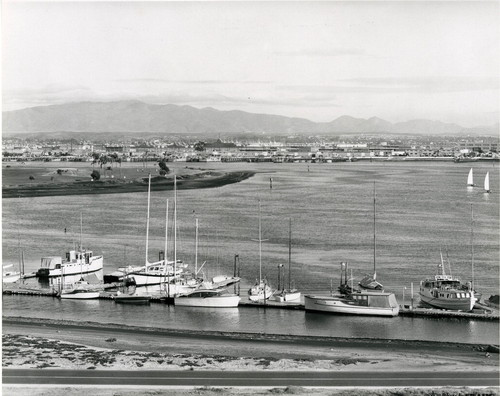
(278, 149)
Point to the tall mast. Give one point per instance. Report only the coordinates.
(374, 233)
(260, 248)
(81, 227)
(166, 238)
(289, 255)
(147, 220)
(175, 227)
(196, 250)
(472, 243)
(167, 279)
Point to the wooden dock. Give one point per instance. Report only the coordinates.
(483, 313)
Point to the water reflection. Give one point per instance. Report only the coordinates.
(249, 319)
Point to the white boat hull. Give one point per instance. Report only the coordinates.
(260, 292)
(81, 295)
(287, 296)
(75, 269)
(208, 302)
(338, 305)
(456, 304)
(11, 277)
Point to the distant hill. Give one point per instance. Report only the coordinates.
(137, 116)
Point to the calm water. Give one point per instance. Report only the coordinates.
(421, 208)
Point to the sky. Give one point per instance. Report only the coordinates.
(316, 60)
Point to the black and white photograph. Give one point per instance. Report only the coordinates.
(250, 198)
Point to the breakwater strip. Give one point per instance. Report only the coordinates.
(244, 336)
(115, 186)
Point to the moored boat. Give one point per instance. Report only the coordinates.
(446, 292)
(261, 291)
(79, 291)
(132, 298)
(290, 293)
(77, 262)
(209, 298)
(364, 302)
(10, 276)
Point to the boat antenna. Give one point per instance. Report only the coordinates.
(472, 243)
(448, 259)
(147, 219)
(442, 262)
(290, 254)
(374, 233)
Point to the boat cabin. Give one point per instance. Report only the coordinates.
(80, 256)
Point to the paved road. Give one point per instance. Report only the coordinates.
(247, 378)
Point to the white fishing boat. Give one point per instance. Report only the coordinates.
(10, 276)
(369, 282)
(470, 178)
(487, 183)
(79, 262)
(80, 290)
(210, 298)
(351, 301)
(261, 291)
(364, 302)
(289, 294)
(447, 292)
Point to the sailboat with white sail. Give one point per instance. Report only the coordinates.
(370, 282)
(290, 294)
(487, 183)
(261, 291)
(470, 178)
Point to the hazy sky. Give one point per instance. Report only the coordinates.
(317, 60)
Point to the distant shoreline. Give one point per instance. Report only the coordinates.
(115, 186)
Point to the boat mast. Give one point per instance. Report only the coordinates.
(147, 220)
(81, 227)
(196, 249)
(175, 228)
(167, 279)
(472, 243)
(374, 233)
(290, 255)
(260, 248)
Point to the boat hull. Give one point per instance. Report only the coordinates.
(133, 299)
(79, 295)
(455, 304)
(11, 277)
(73, 269)
(287, 296)
(338, 305)
(208, 302)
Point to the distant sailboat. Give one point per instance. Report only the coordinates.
(487, 182)
(370, 282)
(470, 179)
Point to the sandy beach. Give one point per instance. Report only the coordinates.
(48, 344)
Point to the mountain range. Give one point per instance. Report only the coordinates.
(137, 116)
